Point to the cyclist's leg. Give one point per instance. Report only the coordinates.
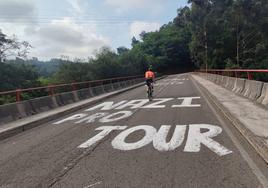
(148, 84)
(151, 83)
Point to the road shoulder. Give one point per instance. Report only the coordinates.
(250, 119)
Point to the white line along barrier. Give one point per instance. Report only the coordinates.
(195, 138)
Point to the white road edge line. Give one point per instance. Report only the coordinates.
(93, 184)
(262, 179)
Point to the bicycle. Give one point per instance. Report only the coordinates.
(150, 92)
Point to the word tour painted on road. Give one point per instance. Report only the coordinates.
(195, 138)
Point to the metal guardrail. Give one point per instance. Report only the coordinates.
(61, 88)
(235, 72)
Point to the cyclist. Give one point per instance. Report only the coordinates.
(149, 76)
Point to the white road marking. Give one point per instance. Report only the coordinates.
(261, 177)
(97, 183)
(92, 118)
(156, 104)
(106, 106)
(195, 138)
(193, 144)
(134, 104)
(159, 141)
(116, 116)
(187, 102)
(119, 140)
(74, 117)
(105, 130)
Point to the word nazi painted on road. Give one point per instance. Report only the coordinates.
(196, 137)
(105, 117)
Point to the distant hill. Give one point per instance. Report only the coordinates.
(44, 68)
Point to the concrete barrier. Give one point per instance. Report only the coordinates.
(15, 111)
(230, 83)
(98, 90)
(117, 85)
(8, 113)
(239, 85)
(253, 89)
(213, 77)
(224, 81)
(65, 98)
(218, 79)
(123, 84)
(108, 87)
(129, 83)
(41, 104)
(25, 109)
(263, 99)
(84, 93)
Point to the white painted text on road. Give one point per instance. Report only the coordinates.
(195, 138)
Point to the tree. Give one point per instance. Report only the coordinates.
(121, 50)
(134, 41)
(11, 47)
(14, 76)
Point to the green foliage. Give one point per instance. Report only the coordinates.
(44, 68)
(14, 76)
(209, 34)
(215, 34)
(228, 33)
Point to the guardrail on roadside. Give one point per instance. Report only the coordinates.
(51, 90)
(251, 89)
(234, 72)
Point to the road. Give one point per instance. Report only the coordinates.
(177, 140)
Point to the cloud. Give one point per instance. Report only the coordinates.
(137, 27)
(17, 10)
(76, 6)
(65, 37)
(153, 6)
(55, 37)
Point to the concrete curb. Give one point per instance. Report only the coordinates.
(256, 142)
(239, 85)
(263, 99)
(254, 90)
(21, 125)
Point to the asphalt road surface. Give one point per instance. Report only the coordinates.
(177, 140)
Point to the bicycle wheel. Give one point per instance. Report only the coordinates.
(150, 93)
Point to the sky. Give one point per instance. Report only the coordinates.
(79, 28)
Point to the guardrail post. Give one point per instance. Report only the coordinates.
(18, 95)
(102, 86)
(112, 84)
(249, 75)
(73, 87)
(51, 90)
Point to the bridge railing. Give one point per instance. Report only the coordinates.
(248, 73)
(51, 90)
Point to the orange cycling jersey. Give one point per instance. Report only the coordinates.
(149, 74)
